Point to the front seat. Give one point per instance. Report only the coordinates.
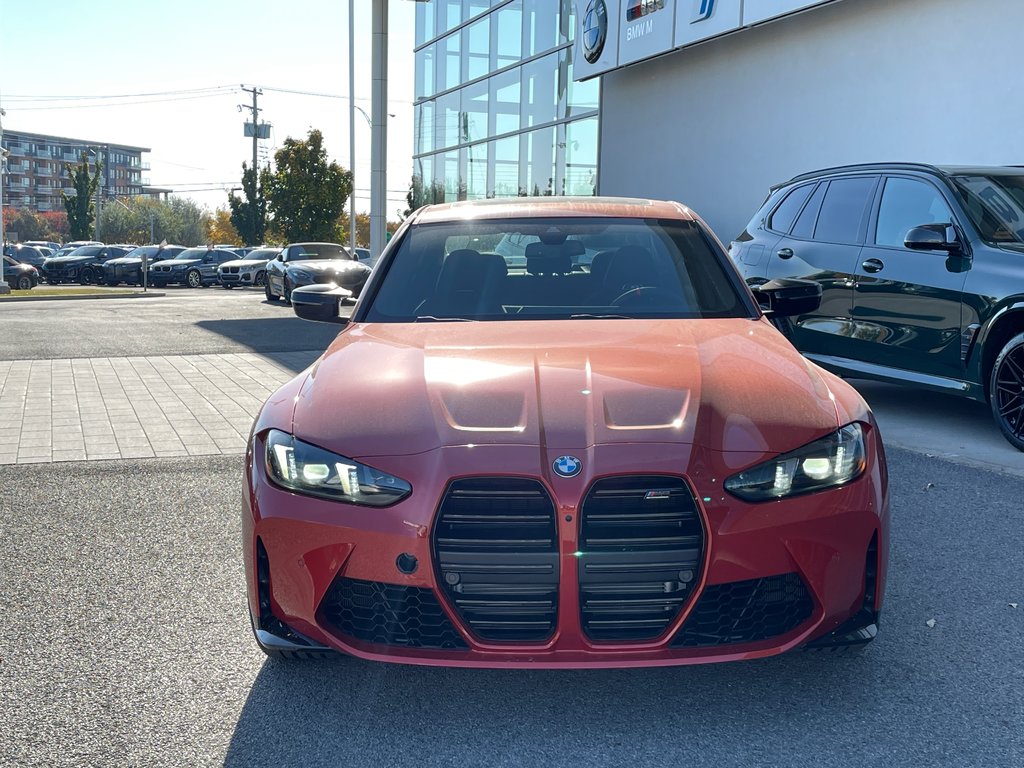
(470, 284)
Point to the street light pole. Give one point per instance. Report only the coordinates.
(352, 125)
(379, 128)
(4, 287)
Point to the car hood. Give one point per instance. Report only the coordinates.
(66, 260)
(325, 265)
(122, 261)
(178, 262)
(729, 385)
(244, 263)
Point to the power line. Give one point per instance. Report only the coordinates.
(121, 103)
(27, 97)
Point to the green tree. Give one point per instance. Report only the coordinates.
(305, 193)
(249, 216)
(149, 220)
(80, 208)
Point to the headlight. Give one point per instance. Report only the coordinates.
(312, 471)
(301, 274)
(825, 463)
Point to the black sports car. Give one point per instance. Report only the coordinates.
(308, 263)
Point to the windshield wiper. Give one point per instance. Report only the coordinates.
(433, 319)
(586, 316)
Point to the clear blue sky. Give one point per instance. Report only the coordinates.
(108, 47)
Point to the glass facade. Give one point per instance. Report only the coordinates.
(497, 112)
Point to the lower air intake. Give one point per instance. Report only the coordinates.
(746, 611)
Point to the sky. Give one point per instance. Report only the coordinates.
(195, 55)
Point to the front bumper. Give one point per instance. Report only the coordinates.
(371, 582)
(237, 278)
(158, 275)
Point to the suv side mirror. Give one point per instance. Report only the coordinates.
(320, 302)
(784, 297)
(933, 237)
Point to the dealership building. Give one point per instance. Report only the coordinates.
(706, 101)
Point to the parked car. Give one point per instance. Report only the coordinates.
(307, 263)
(622, 467)
(194, 267)
(83, 265)
(25, 254)
(67, 248)
(20, 276)
(921, 275)
(53, 247)
(128, 268)
(364, 255)
(249, 270)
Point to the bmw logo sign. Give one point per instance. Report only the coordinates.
(567, 466)
(595, 30)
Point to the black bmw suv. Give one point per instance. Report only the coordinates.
(922, 275)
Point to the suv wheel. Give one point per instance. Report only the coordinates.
(1006, 391)
(23, 283)
(194, 279)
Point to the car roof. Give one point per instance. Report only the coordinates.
(938, 170)
(544, 207)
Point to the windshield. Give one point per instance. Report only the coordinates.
(191, 253)
(995, 205)
(262, 254)
(570, 268)
(309, 251)
(87, 250)
(149, 251)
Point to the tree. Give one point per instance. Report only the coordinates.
(306, 194)
(80, 208)
(30, 225)
(149, 220)
(221, 228)
(249, 216)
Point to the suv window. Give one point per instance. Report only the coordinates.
(842, 211)
(784, 216)
(805, 224)
(908, 203)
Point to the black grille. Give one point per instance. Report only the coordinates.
(496, 553)
(641, 548)
(747, 611)
(389, 614)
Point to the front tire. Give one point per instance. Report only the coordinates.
(1006, 391)
(23, 283)
(271, 296)
(287, 292)
(194, 279)
(87, 277)
(261, 279)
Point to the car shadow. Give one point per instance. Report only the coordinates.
(290, 341)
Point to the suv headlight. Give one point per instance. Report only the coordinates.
(826, 463)
(306, 469)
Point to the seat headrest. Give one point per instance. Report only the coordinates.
(545, 259)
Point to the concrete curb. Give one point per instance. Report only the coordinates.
(59, 297)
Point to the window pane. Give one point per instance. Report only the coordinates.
(476, 172)
(805, 224)
(581, 157)
(424, 22)
(449, 69)
(842, 211)
(540, 169)
(424, 127)
(506, 167)
(423, 181)
(504, 94)
(539, 96)
(581, 97)
(541, 26)
(474, 112)
(507, 33)
(425, 67)
(449, 15)
(906, 204)
(476, 46)
(786, 213)
(446, 177)
(446, 120)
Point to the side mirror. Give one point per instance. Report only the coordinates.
(784, 297)
(320, 302)
(933, 237)
(279, 257)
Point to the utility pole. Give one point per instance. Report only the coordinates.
(379, 138)
(352, 124)
(256, 93)
(4, 288)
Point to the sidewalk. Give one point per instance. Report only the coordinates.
(135, 407)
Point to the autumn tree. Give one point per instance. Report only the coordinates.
(79, 206)
(249, 215)
(306, 193)
(221, 228)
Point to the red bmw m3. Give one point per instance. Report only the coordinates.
(562, 433)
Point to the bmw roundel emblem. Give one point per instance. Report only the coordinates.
(567, 466)
(595, 30)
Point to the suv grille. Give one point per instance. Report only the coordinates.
(642, 545)
(389, 614)
(496, 552)
(747, 611)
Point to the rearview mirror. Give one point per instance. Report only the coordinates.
(785, 297)
(320, 303)
(933, 237)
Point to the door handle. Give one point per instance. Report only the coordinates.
(873, 265)
(785, 253)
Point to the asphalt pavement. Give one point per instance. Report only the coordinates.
(125, 642)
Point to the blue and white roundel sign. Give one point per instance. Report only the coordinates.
(567, 466)
(595, 30)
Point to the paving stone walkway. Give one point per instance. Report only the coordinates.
(135, 407)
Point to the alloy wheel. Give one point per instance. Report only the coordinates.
(1007, 391)
(194, 279)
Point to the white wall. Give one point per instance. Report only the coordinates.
(938, 81)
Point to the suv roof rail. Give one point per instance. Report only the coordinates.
(863, 167)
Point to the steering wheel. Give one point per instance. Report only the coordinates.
(647, 296)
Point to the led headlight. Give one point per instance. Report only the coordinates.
(301, 274)
(826, 463)
(306, 469)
